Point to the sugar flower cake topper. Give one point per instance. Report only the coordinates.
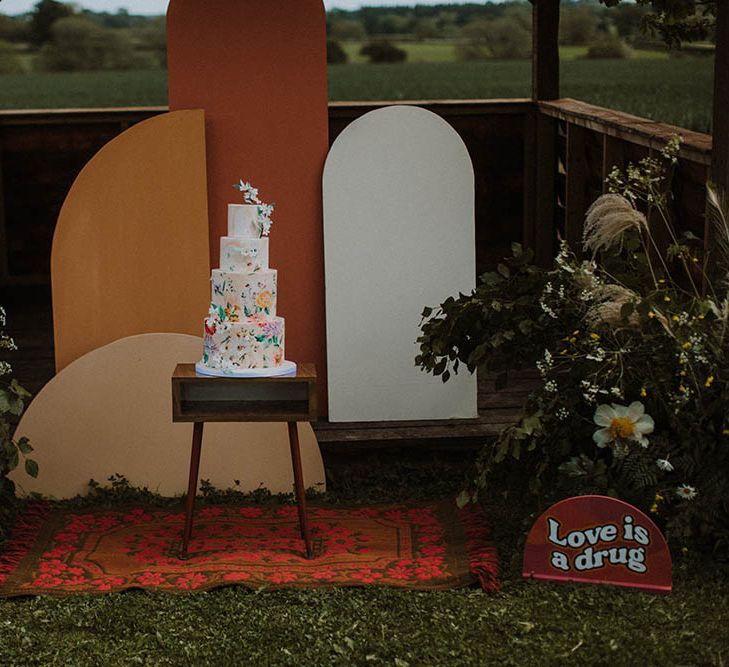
(250, 196)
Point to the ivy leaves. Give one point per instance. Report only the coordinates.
(479, 330)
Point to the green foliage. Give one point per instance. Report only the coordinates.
(336, 55)
(12, 403)
(344, 29)
(13, 29)
(383, 51)
(10, 63)
(507, 37)
(79, 44)
(152, 39)
(44, 16)
(577, 24)
(630, 326)
(677, 21)
(608, 45)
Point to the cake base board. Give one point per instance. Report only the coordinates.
(286, 368)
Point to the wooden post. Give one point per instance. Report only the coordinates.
(545, 49)
(545, 196)
(720, 146)
(575, 186)
(719, 172)
(613, 155)
(4, 249)
(545, 86)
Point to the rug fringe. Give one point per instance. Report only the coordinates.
(22, 537)
(482, 556)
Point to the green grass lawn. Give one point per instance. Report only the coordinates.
(677, 91)
(525, 624)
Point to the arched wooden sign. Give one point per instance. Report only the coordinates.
(598, 540)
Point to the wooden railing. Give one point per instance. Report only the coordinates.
(578, 144)
(537, 167)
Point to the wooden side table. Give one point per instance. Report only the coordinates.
(201, 398)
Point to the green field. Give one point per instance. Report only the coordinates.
(677, 91)
(444, 51)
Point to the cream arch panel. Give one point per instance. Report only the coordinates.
(111, 412)
(399, 234)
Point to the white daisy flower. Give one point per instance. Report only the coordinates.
(664, 464)
(686, 492)
(621, 423)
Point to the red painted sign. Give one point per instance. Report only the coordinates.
(598, 540)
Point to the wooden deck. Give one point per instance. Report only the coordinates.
(500, 400)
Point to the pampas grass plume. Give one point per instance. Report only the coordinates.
(607, 219)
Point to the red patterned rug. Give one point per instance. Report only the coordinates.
(426, 547)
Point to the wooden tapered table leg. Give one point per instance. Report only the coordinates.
(299, 486)
(197, 433)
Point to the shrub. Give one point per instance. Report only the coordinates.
(633, 356)
(12, 403)
(383, 51)
(79, 44)
(343, 29)
(608, 45)
(506, 37)
(13, 29)
(10, 63)
(336, 55)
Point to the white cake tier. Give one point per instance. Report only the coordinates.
(243, 221)
(244, 294)
(251, 342)
(243, 255)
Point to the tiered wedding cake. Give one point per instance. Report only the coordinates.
(243, 335)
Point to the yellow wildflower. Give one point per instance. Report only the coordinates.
(686, 345)
(682, 389)
(682, 374)
(651, 314)
(594, 336)
(701, 316)
(654, 509)
(659, 497)
(675, 318)
(575, 332)
(684, 550)
(573, 340)
(709, 381)
(666, 298)
(661, 281)
(695, 260)
(725, 431)
(643, 392)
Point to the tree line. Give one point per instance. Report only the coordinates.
(58, 36)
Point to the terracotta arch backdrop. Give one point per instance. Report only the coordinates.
(130, 250)
(258, 68)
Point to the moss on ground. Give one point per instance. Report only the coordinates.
(524, 624)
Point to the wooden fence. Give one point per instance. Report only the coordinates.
(41, 152)
(537, 168)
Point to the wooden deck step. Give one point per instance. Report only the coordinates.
(500, 404)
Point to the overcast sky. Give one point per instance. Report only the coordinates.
(160, 6)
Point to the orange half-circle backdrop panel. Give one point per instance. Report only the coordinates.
(130, 251)
(258, 68)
